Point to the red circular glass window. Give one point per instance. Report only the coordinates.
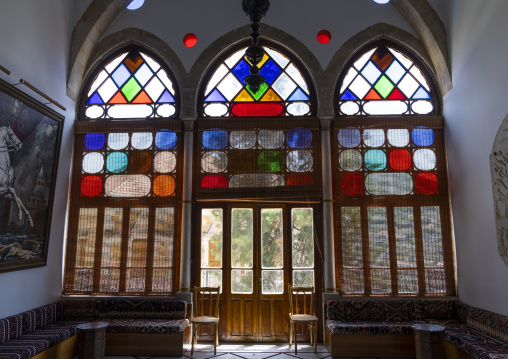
(351, 183)
(190, 39)
(426, 183)
(91, 186)
(324, 36)
(400, 160)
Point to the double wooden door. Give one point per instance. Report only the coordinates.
(254, 252)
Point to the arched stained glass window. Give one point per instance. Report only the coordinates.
(385, 81)
(285, 92)
(131, 85)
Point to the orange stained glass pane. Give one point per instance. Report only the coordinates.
(244, 96)
(372, 95)
(142, 98)
(133, 61)
(164, 185)
(140, 162)
(382, 58)
(270, 95)
(118, 98)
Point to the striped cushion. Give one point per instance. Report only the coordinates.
(10, 328)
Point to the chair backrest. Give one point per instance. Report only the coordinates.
(206, 301)
(301, 300)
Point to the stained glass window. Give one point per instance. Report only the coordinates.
(385, 81)
(285, 92)
(132, 85)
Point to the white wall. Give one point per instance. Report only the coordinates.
(474, 110)
(34, 45)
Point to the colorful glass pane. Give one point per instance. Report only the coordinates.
(371, 73)
(270, 95)
(350, 160)
(299, 179)
(95, 99)
(299, 138)
(118, 141)
(120, 75)
(166, 98)
(260, 92)
(95, 141)
(267, 109)
(142, 98)
(91, 186)
(214, 181)
(398, 137)
(164, 162)
(384, 87)
(425, 159)
(164, 185)
(215, 96)
(144, 74)
(348, 95)
(243, 139)
(116, 162)
(375, 160)
(242, 70)
(400, 160)
(270, 71)
(271, 161)
(118, 98)
(141, 140)
(349, 137)
(244, 96)
(374, 138)
(93, 162)
(299, 161)
(299, 95)
(131, 89)
(351, 183)
(271, 139)
(140, 162)
(215, 139)
(422, 136)
(165, 140)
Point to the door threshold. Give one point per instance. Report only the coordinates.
(256, 348)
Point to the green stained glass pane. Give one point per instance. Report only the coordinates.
(384, 86)
(260, 92)
(131, 89)
(271, 161)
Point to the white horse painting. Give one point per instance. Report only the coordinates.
(10, 142)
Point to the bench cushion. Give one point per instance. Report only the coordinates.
(488, 323)
(476, 344)
(141, 309)
(148, 326)
(370, 327)
(39, 317)
(10, 328)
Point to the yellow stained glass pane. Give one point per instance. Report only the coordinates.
(271, 96)
(244, 96)
(265, 59)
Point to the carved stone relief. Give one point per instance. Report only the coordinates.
(499, 172)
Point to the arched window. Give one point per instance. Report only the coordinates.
(124, 191)
(285, 92)
(390, 174)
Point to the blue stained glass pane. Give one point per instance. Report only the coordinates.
(117, 162)
(422, 136)
(242, 70)
(299, 138)
(371, 73)
(349, 137)
(395, 71)
(215, 139)
(165, 140)
(348, 95)
(95, 141)
(121, 75)
(215, 96)
(144, 74)
(299, 95)
(166, 98)
(421, 94)
(270, 71)
(95, 100)
(375, 160)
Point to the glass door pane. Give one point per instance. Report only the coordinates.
(272, 259)
(242, 250)
(302, 234)
(211, 247)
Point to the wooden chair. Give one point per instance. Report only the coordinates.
(209, 316)
(301, 311)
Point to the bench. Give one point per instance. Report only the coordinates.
(382, 328)
(39, 333)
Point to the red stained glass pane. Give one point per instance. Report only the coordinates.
(91, 186)
(400, 160)
(299, 179)
(256, 109)
(397, 95)
(164, 186)
(118, 98)
(351, 183)
(426, 183)
(142, 98)
(372, 95)
(214, 181)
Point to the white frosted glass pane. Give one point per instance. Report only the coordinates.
(360, 63)
(388, 107)
(256, 180)
(284, 86)
(349, 108)
(163, 76)
(97, 82)
(217, 76)
(347, 80)
(107, 90)
(151, 62)
(127, 186)
(395, 72)
(273, 281)
(303, 278)
(398, 137)
(154, 89)
(374, 138)
(402, 58)
(425, 159)
(118, 141)
(229, 86)
(299, 161)
(130, 111)
(408, 85)
(93, 162)
(422, 107)
(389, 183)
(94, 112)
(298, 109)
(113, 64)
(166, 110)
(143, 75)
(415, 71)
(243, 139)
(241, 281)
(211, 278)
(297, 77)
(360, 87)
(280, 59)
(164, 162)
(216, 110)
(371, 73)
(271, 139)
(141, 140)
(233, 59)
(214, 162)
(350, 160)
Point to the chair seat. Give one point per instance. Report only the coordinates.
(303, 318)
(199, 320)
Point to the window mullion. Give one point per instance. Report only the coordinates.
(419, 250)
(393, 249)
(366, 250)
(124, 249)
(150, 251)
(98, 250)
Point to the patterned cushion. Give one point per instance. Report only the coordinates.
(370, 327)
(488, 323)
(80, 308)
(39, 317)
(23, 348)
(10, 328)
(156, 326)
(142, 309)
(383, 310)
(440, 308)
(476, 344)
(462, 311)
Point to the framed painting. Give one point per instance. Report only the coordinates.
(30, 136)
